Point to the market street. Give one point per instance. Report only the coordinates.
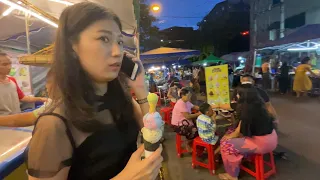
(298, 137)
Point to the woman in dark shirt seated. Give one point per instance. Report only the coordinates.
(255, 133)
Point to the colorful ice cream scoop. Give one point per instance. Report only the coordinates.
(153, 121)
(153, 100)
(152, 136)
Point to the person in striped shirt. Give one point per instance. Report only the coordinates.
(206, 124)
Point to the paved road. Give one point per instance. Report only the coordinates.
(299, 137)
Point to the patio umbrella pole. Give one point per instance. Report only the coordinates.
(254, 61)
(27, 32)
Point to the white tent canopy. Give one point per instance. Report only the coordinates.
(13, 29)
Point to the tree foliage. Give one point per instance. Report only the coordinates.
(149, 33)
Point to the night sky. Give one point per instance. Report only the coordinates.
(194, 9)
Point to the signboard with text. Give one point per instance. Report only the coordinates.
(217, 85)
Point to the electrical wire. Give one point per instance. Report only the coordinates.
(182, 17)
(16, 37)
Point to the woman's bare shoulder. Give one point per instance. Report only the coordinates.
(51, 122)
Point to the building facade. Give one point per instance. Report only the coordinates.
(267, 16)
(223, 25)
(178, 37)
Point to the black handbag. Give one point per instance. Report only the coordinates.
(186, 130)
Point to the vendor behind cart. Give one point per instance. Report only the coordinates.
(28, 118)
(10, 93)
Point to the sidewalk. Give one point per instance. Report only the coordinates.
(298, 137)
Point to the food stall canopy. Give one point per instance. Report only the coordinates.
(41, 35)
(209, 60)
(165, 54)
(234, 56)
(306, 33)
(183, 62)
(12, 34)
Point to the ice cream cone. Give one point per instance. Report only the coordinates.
(150, 147)
(153, 126)
(152, 131)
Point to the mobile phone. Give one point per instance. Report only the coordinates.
(129, 68)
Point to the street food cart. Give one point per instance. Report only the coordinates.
(12, 152)
(299, 43)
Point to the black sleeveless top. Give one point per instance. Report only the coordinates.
(102, 155)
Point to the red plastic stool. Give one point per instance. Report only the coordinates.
(159, 102)
(172, 104)
(197, 142)
(259, 162)
(166, 114)
(159, 99)
(179, 148)
(194, 111)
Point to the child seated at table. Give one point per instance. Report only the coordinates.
(206, 125)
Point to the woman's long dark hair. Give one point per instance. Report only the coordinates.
(305, 60)
(284, 69)
(73, 88)
(251, 107)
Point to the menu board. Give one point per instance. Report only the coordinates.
(22, 74)
(217, 85)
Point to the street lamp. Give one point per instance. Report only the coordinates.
(155, 8)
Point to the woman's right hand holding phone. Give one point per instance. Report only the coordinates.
(146, 169)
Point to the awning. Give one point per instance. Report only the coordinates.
(305, 33)
(165, 54)
(12, 34)
(209, 60)
(234, 57)
(177, 63)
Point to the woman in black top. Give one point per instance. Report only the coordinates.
(90, 131)
(255, 133)
(231, 76)
(284, 78)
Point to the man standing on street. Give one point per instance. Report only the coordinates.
(266, 77)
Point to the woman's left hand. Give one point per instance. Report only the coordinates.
(229, 136)
(138, 85)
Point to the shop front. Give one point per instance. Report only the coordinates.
(304, 42)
